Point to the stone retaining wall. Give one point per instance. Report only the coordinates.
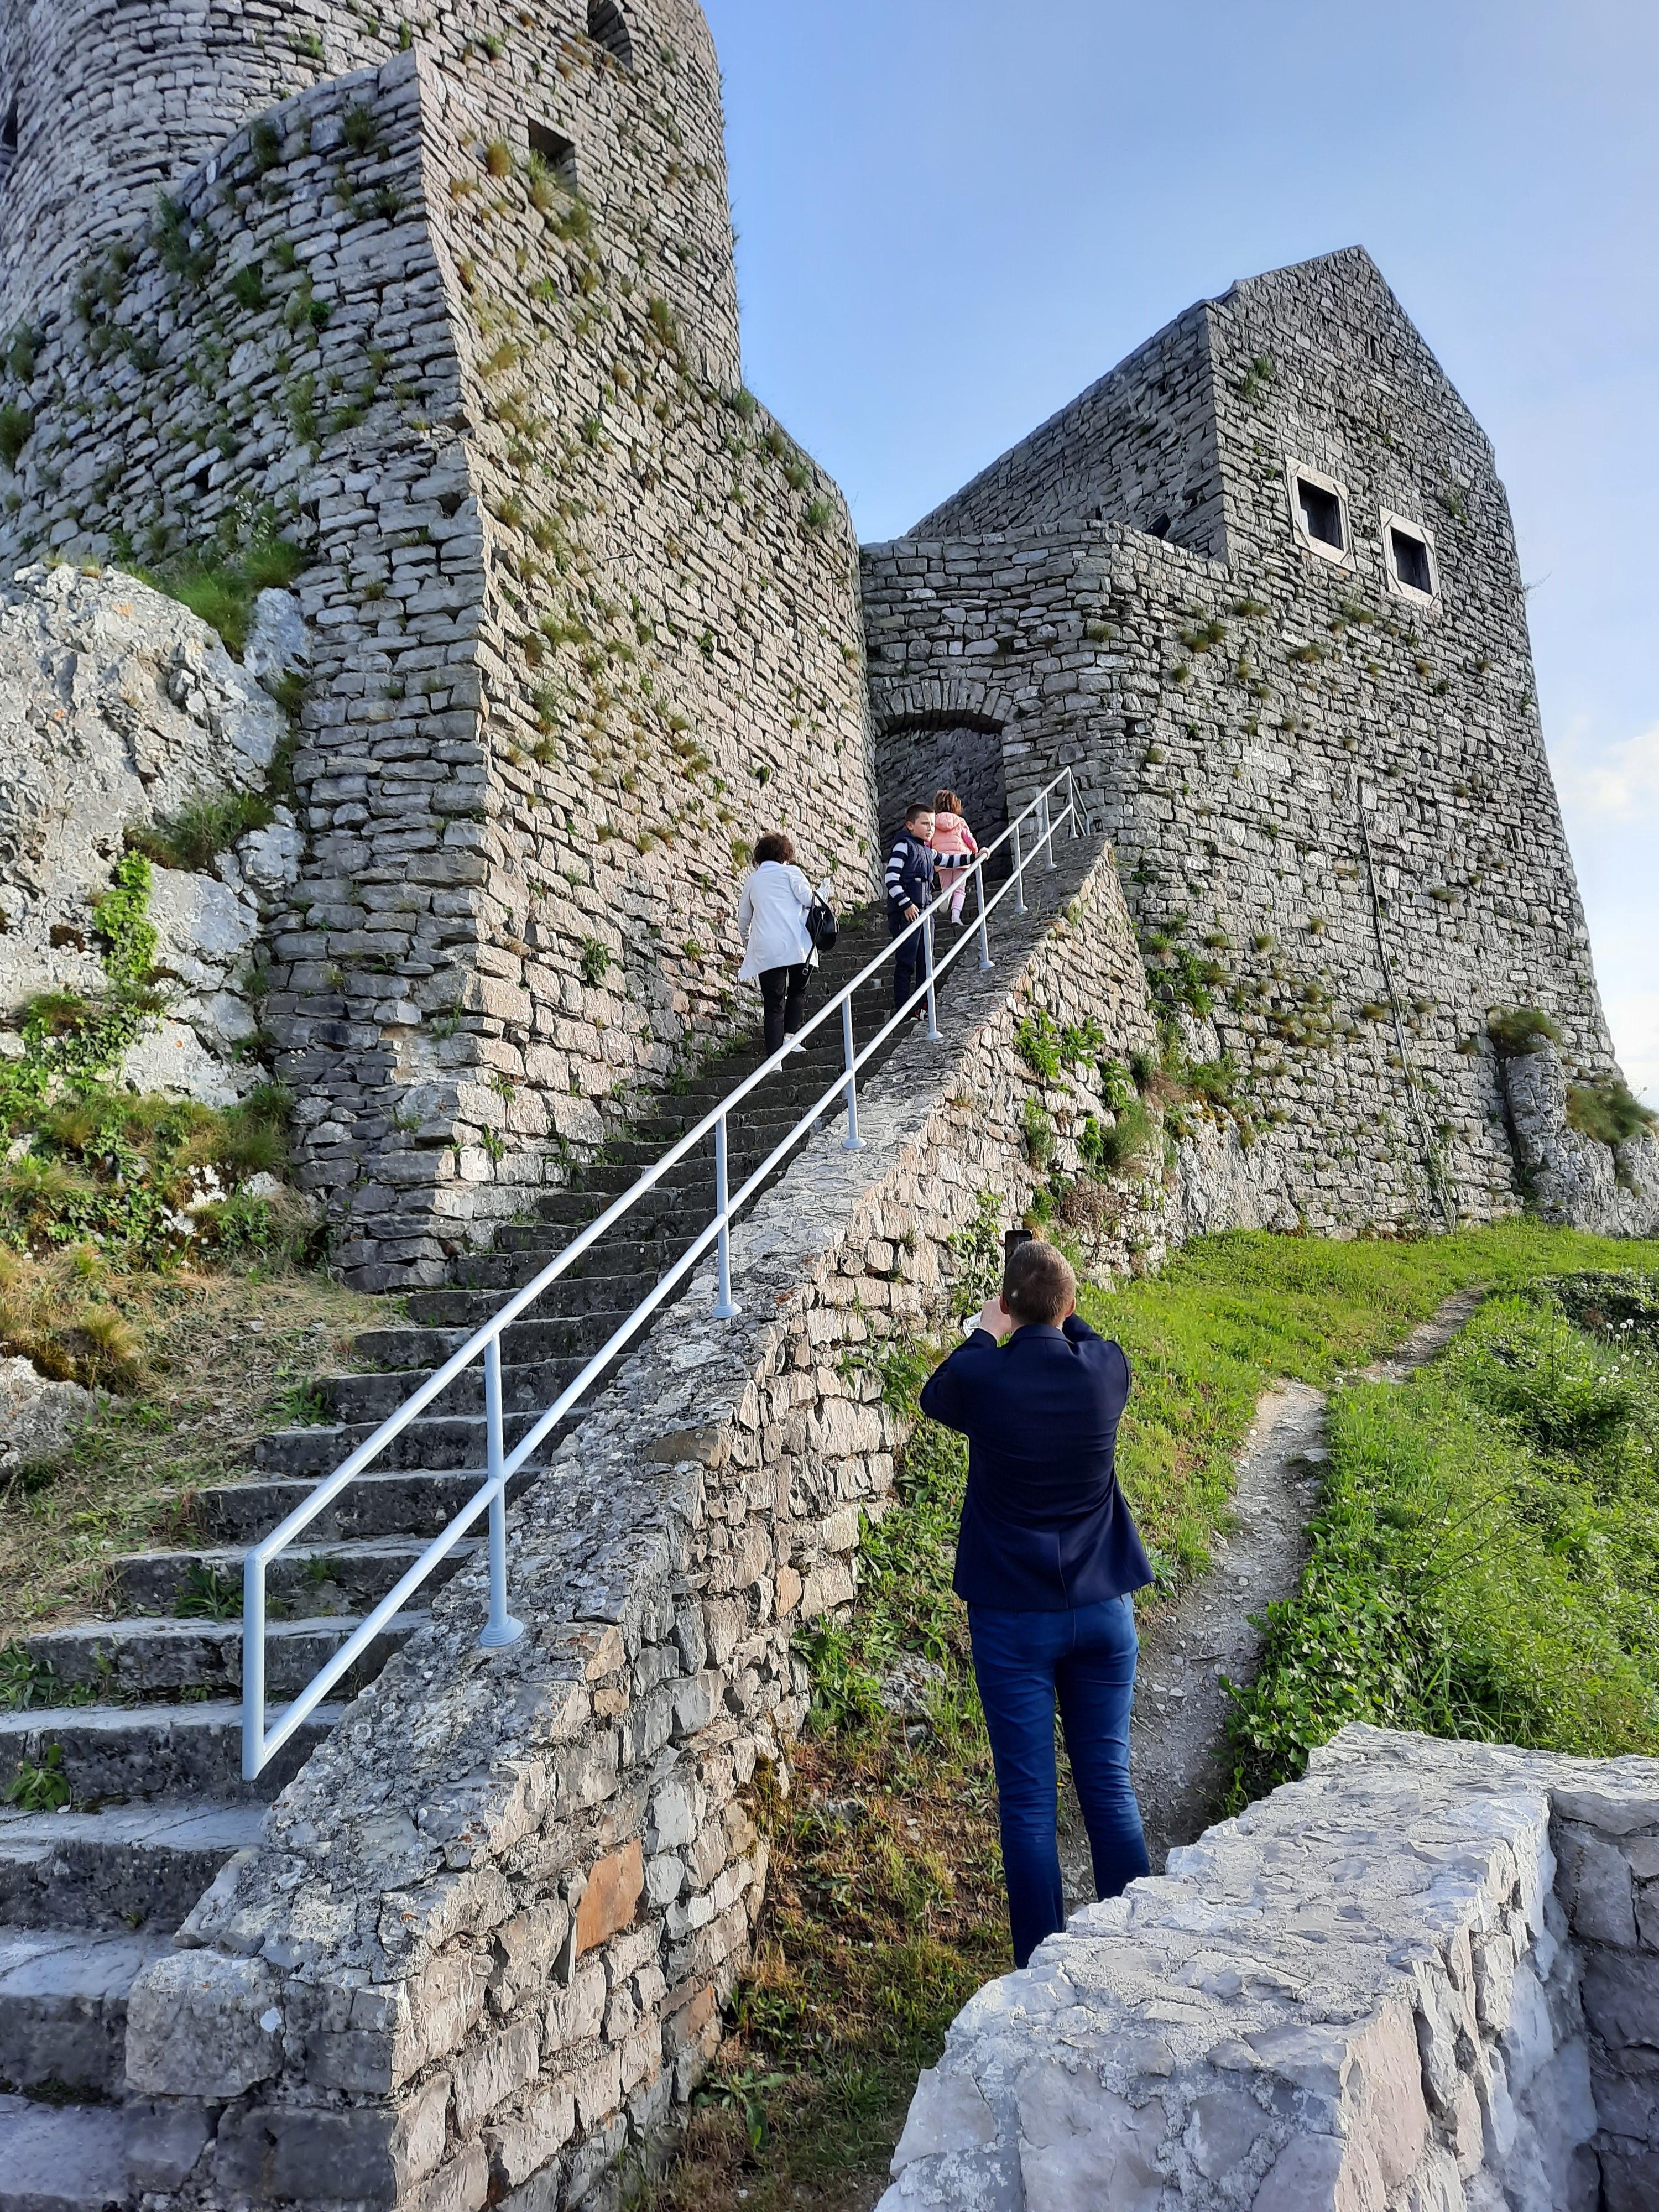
(481, 1945)
(1423, 1979)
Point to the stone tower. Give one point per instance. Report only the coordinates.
(445, 303)
(1258, 585)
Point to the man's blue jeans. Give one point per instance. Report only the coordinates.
(1022, 1661)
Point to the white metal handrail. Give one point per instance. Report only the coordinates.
(259, 1745)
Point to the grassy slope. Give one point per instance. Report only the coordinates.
(885, 1912)
(1485, 1562)
(212, 1361)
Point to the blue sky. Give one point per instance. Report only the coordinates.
(954, 214)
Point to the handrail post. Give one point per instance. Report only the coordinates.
(1019, 873)
(1047, 821)
(851, 1142)
(932, 994)
(501, 1629)
(253, 1667)
(985, 961)
(1071, 801)
(726, 1306)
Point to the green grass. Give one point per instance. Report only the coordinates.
(194, 837)
(1230, 1314)
(222, 588)
(884, 1908)
(212, 1361)
(1485, 1563)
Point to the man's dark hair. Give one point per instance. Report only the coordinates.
(773, 846)
(912, 813)
(1037, 1283)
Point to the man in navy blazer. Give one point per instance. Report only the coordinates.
(1047, 1558)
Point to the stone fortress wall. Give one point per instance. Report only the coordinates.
(579, 609)
(1129, 592)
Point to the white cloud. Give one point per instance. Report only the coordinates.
(1612, 783)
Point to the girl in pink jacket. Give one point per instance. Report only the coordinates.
(954, 847)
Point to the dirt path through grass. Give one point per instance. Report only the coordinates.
(1192, 1648)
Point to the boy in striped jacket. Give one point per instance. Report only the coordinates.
(910, 887)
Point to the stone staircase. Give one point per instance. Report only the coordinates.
(149, 1751)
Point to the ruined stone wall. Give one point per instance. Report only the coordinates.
(1427, 1975)
(1139, 446)
(1230, 720)
(581, 611)
(482, 1944)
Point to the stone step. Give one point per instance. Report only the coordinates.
(131, 1660)
(62, 2158)
(410, 1504)
(308, 1582)
(63, 2005)
(464, 1311)
(571, 1299)
(397, 1350)
(750, 1138)
(630, 1246)
(128, 1867)
(526, 1388)
(133, 1753)
(619, 1267)
(432, 1443)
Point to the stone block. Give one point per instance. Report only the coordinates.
(164, 2137)
(1596, 1886)
(485, 2074)
(574, 2015)
(462, 2185)
(1621, 2004)
(947, 2113)
(200, 2024)
(1082, 2146)
(520, 2147)
(611, 1898)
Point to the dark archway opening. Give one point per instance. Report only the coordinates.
(608, 27)
(962, 753)
(7, 137)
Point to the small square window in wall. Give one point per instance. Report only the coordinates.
(1319, 513)
(558, 152)
(1409, 557)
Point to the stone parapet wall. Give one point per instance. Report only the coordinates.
(482, 1944)
(1423, 1979)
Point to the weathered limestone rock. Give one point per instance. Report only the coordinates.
(38, 1417)
(1570, 1177)
(1413, 1980)
(118, 707)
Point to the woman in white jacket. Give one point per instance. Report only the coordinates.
(772, 916)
